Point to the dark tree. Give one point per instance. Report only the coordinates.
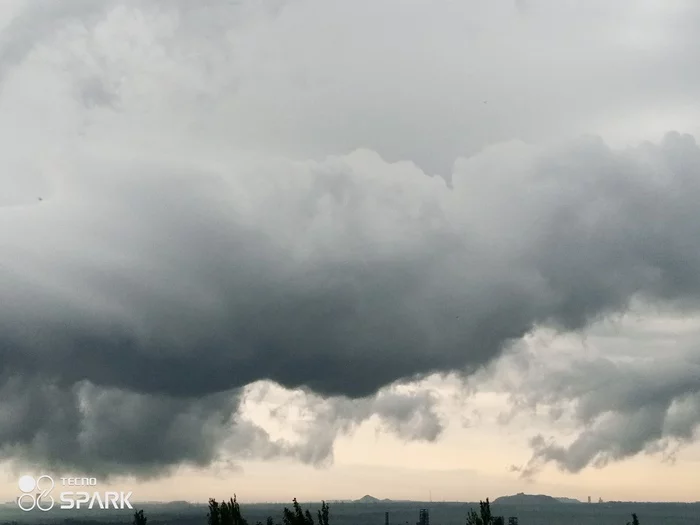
(213, 516)
(226, 513)
(296, 516)
(635, 521)
(323, 514)
(485, 509)
(484, 517)
(139, 518)
(270, 521)
(473, 518)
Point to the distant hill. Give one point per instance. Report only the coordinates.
(370, 499)
(569, 500)
(526, 499)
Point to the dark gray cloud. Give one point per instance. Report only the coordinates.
(107, 431)
(183, 251)
(336, 283)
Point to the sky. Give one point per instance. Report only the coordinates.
(411, 249)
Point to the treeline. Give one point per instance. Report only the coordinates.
(229, 513)
(484, 516)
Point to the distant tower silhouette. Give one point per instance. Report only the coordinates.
(423, 517)
(589, 499)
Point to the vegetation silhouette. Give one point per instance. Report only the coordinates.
(297, 516)
(229, 513)
(323, 514)
(225, 513)
(139, 518)
(484, 517)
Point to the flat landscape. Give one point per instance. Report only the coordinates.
(400, 513)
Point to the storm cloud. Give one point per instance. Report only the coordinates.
(188, 229)
(342, 275)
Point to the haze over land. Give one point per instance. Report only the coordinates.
(354, 513)
(319, 248)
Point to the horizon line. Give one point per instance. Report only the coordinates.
(389, 501)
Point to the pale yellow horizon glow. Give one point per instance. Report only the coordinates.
(638, 479)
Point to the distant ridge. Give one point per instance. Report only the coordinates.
(527, 499)
(569, 500)
(369, 499)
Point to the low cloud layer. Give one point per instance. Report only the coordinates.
(625, 409)
(106, 431)
(164, 254)
(411, 416)
(607, 405)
